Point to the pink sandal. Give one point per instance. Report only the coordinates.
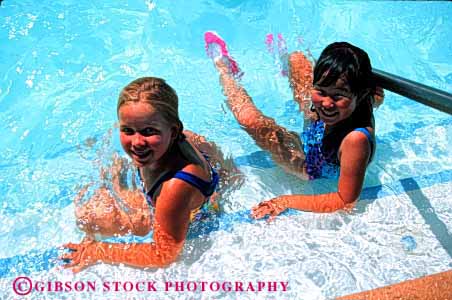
(283, 56)
(216, 49)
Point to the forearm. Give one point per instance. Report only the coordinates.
(104, 215)
(159, 254)
(322, 203)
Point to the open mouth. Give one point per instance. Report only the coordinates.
(329, 114)
(140, 155)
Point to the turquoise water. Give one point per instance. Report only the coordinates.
(63, 64)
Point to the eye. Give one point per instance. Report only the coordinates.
(127, 130)
(337, 97)
(148, 131)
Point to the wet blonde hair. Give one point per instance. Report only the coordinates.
(163, 98)
(157, 93)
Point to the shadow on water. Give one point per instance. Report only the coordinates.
(423, 205)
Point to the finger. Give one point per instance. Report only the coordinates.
(66, 261)
(272, 216)
(87, 239)
(255, 216)
(71, 246)
(270, 219)
(259, 214)
(67, 256)
(265, 203)
(254, 210)
(261, 205)
(78, 199)
(71, 264)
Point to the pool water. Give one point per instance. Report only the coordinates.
(63, 64)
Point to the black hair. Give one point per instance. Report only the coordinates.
(343, 59)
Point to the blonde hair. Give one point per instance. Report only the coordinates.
(163, 98)
(160, 95)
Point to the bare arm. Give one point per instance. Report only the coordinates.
(172, 219)
(102, 214)
(355, 151)
(118, 210)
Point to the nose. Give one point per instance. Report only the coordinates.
(138, 140)
(327, 102)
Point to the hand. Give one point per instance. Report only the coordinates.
(271, 207)
(379, 96)
(119, 165)
(100, 214)
(81, 255)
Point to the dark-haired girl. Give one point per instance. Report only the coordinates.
(337, 98)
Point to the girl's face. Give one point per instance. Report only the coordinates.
(334, 103)
(145, 135)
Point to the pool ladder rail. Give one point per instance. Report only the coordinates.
(419, 92)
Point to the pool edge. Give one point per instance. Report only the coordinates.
(436, 286)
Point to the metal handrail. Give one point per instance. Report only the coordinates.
(419, 92)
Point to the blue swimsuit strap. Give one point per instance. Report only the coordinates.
(205, 187)
(369, 138)
(154, 187)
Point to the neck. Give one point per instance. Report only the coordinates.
(157, 168)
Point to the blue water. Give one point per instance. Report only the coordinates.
(63, 64)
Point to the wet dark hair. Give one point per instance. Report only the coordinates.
(343, 59)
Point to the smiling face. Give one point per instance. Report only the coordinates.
(145, 135)
(335, 102)
(342, 79)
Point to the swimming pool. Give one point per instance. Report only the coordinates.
(63, 65)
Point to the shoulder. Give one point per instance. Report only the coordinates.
(178, 194)
(175, 195)
(357, 138)
(196, 162)
(198, 170)
(357, 145)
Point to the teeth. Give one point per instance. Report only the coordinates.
(141, 154)
(328, 114)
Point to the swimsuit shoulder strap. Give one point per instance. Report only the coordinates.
(369, 138)
(207, 188)
(366, 132)
(150, 193)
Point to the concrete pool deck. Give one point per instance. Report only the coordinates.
(432, 287)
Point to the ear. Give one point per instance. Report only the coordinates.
(174, 132)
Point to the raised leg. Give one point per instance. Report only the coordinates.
(300, 79)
